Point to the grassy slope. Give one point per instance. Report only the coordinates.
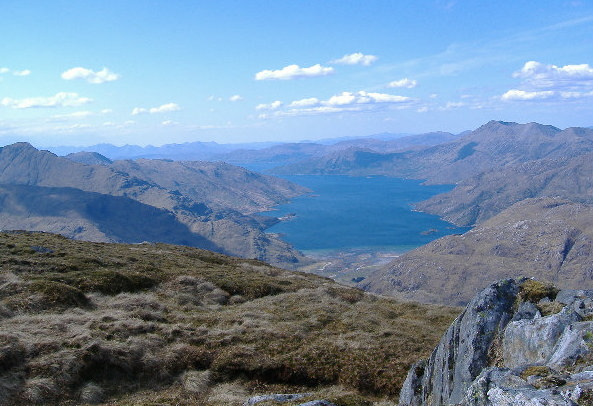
(162, 324)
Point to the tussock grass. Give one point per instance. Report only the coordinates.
(158, 324)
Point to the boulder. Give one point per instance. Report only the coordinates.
(518, 342)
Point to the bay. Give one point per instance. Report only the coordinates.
(359, 213)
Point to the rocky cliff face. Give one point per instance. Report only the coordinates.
(516, 343)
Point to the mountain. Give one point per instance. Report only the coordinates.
(384, 143)
(547, 238)
(141, 324)
(215, 202)
(89, 158)
(480, 197)
(493, 145)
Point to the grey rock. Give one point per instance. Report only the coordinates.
(575, 343)
(533, 341)
(279, 397)
(462, 353)
(501, 351)
(527, 311)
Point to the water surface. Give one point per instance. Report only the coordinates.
(369, 213)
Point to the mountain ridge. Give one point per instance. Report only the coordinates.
(232, 228)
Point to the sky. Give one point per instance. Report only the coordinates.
(82, 72)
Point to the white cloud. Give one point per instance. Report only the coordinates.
(4, 70)
(76, 114)
(165, 108)
(169, 123)
(343, 102)
(356, 58)
(270, 106)
(539, 75)
(62, 99)
(102, 76)
(405, 82)
(516, 94)
(541, 82)
(571, 78)
(451, 106)
(294, 72)
(362, 97)
(235, 98)
(24, 72)
(311, 101)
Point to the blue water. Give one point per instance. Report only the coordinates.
(372, 213)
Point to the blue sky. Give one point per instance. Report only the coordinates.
(156, 72)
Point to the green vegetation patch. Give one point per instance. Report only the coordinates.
(59, 294)
(533, 291)
(102, 280)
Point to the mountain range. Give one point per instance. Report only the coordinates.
(496, 169)
(209, 205)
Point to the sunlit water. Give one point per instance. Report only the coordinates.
(369, 213)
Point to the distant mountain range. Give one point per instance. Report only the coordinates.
(207, 205)
(274, 152)
(494, 145)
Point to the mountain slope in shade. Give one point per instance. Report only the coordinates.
(547, 238)
(480, 197)
(230, 230)
(91, 216)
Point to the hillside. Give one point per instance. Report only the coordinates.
(480, 197)
(137, 324)
(214, 202)
(547, 238)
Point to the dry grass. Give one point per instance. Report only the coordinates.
(159, 324)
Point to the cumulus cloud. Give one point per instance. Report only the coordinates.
(76, 114)
(405, 82)
(102, 76)
(516, 94)
(539, 75)
(235, 98)
(343, 102)
(356, 58)
(165, 108)
(62, 99)
(540, 82)
(311, 101)
(24, 72)
(294, 72)
(269, 106)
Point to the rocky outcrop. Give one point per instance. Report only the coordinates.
(516, 343)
